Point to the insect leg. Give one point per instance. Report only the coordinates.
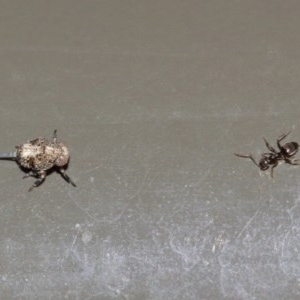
(292, 161)
(41, 178)
(31, 173)
(66, 177)
(281, 138)
(269, 146)
(272, 169)
(247, 156)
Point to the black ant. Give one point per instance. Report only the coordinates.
(271, 159)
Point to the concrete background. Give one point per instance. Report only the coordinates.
(153, 98)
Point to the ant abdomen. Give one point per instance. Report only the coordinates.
(290, 149)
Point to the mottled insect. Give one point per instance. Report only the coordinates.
(40, 155)
(272, 158)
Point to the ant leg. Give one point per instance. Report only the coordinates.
(54, 139)
(269, 146)
(66, 177)
(41, 178)
(272, 169)
(292, 161)
(247, 156)
(281, 138)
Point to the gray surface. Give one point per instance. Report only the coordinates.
(153, 98)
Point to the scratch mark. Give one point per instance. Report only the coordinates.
(74, 240)
(93, 169)
(247, 225)
(128, 200)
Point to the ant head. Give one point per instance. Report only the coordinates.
(264, 164)
(290, 149)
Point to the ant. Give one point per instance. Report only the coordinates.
(272, 158)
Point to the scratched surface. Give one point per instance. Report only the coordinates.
(153, 98)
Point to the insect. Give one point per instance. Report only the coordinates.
(272, 158)
(40, 155)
